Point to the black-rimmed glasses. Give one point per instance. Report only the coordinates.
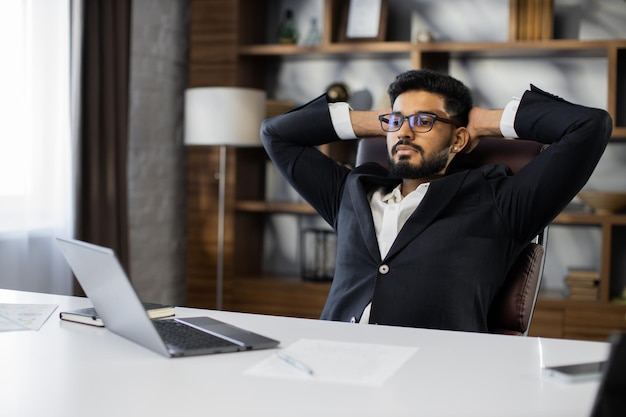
(419, 122)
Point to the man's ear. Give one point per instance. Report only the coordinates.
(461, 141)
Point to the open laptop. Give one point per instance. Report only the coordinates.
(610, 399)
(103, 279)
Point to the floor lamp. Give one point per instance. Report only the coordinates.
(223, 116)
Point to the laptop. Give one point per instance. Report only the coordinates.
(103, 279)
(610, 399)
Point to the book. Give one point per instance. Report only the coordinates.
(581, 283)
(582, 297)
(584, 291)
(90, 316)
(583, 274)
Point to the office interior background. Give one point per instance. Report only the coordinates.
(157, 78)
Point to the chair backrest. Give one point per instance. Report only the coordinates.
(512, 309)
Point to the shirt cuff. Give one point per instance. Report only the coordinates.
(340, 117)
(508, 119)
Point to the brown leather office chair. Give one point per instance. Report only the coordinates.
(512, 309)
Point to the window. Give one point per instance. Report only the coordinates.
(36, 197)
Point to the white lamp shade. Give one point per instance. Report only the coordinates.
(224, 116)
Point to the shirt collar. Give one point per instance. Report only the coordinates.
(395, 196)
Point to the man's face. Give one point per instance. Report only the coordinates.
(419, 155)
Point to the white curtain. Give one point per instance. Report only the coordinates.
(36, 195)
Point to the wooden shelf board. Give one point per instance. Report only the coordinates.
(334, 48)
(566, 218)
(257, 206)
(519, 48)
(595, 48)
(619, 133)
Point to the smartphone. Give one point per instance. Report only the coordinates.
(576, 372)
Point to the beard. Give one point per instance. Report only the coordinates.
(427, 168)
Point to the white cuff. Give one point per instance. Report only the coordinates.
(508, 119)
(340, 117)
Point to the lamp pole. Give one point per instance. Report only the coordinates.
(204, 105)
(221, 214)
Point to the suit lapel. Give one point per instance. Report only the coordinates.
(359, 186)
(439, 194)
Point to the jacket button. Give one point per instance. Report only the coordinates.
(383, 269)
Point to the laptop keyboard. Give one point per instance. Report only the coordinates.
(185, 337)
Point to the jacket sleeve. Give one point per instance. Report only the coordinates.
(577, 136)
(291, 141)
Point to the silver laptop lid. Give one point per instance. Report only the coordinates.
(106, 284)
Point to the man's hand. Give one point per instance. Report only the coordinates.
(482, 122)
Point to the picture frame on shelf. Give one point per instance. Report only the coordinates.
(363, 21)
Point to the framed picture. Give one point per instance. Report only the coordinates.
(363, 21)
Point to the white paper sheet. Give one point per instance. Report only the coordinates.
(337, 362)
(24, 316)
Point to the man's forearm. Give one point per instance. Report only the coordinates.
(365, 123)
(484, 122)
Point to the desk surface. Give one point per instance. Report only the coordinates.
(68, 369)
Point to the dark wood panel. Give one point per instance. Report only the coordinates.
(213, 43)
(202, 225)
(608, 317)
(202, 191)
(284, 297)
(547, 322)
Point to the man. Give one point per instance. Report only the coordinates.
(419, 246)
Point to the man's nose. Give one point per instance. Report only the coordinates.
(405, 129)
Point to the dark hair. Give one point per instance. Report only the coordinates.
(457, 97)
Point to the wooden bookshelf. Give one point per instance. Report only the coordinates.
(228, 49)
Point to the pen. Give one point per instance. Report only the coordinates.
(294, 362)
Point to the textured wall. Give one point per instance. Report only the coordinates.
(156, 167)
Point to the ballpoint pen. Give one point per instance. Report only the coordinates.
(294, 362)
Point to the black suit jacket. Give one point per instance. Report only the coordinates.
(451, 257)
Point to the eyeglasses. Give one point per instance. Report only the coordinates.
(419, 122)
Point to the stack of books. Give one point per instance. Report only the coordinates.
(583, 284)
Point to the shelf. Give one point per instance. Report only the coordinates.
(436, 55)
(564, 218)
(251, 206)
(488, 49)
(557, 298)
(562, 47)
(590, 219)
(619, 133)
(383, 48)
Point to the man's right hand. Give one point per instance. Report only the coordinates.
(482, 122)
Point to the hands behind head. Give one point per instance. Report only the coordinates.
(482, 122)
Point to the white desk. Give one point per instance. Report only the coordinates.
(67, 369)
